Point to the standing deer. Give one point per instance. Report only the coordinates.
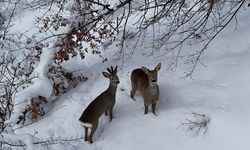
(103, 103)
(145, 81)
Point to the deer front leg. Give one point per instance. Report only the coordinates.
(111, 113)
(153, 108)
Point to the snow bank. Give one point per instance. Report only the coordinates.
(41, 86)
(21, 140)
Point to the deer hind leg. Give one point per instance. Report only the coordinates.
(132, 93)
(106, 112)
(86, 134)
(93, 129)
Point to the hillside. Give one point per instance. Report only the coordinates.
(207, 110)
(219, 90)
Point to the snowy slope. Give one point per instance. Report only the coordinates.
(220, 90)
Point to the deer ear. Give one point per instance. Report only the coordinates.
(145, 70)
(105, 74)
(158, 67)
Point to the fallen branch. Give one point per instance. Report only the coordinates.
(198, 123)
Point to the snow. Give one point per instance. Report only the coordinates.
(27, 139)
(41, 81)
(220, 90)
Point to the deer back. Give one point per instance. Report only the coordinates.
(140, 79)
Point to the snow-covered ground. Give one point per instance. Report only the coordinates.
(220, 90)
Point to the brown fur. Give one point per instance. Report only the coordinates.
(103, 103)
(145, 81)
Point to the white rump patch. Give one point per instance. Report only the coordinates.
(89, 125)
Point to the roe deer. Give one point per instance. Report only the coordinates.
(103, 103)
(145, 81)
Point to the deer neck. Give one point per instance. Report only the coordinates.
(150, 88)
(112, 88)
